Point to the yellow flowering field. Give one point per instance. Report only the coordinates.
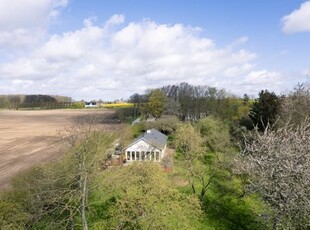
(118, 105)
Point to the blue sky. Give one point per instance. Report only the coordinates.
(112, 49)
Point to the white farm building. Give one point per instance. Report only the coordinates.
(91, 105)
(150, 146)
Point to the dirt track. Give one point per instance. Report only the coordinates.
(28, 138)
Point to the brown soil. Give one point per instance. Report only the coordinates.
(29, 138)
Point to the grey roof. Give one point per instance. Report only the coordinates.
(154, 137)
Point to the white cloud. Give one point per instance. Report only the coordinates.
(262, 78)
(118, 59)
(251, 81)
(116, 19)
(72, 46)
(298, 20)
(28, 13)
(240, 41)
(21, 84)
(23, 22)
(19, 37)
(305, 72)
(238, 70)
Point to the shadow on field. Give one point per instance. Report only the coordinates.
(95, 119)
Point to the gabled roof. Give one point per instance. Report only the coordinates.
(153, 137)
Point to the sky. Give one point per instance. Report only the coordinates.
(114, 48)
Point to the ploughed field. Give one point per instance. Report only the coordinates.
(29, 138)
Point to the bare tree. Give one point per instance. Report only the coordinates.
(296, 106)
(278, 165)
(88, 145)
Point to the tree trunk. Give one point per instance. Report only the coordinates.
(202, 195)
(83, 190)
(275, 223)
(193, 186)
(83, 202)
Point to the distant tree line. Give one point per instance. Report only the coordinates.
(37, 101)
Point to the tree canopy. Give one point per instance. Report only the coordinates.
(143, 198)
(265, 109)
(156, 103)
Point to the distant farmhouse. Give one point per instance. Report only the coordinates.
(91, 104)
(150, 146)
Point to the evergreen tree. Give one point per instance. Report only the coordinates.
(265, 109)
